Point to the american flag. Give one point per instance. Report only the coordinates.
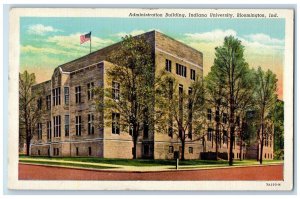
(85, 38)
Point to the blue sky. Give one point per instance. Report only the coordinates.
(47, 42)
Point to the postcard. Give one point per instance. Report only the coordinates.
(151, 99)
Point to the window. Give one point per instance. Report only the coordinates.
(115, 90)
(190, 117)
(191, 150)
(67, 125)
(57, 126)
(146, 149)
(49, 130)
(168, 65)
(225, 118)
(48, 102)
(180, 70)
(131, 129)
(56, 96)
(170, 129)
(78, 125)
(39, 152)
(146, 130)
(77, 151)
(90, 91)
(90, 124)
(39, 104)
(238, 120)
(225, 136)
(209, 114)
(90, 151)
(66, 90)
(193, 74)
(170, 126)
(115, 123)
(39, 130)
(55, 151)
(209, 134)
(171, 149)
(78, 94)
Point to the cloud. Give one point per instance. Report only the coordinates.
(73, 41)
(40, 29)
(41, 50)
(264, 39)
(133, 33)
(213, 36)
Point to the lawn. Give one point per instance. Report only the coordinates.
(94, 162)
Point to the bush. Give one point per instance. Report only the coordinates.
(279, 154)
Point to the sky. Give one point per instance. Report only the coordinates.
(47, 42)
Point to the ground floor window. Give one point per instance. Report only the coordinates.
(171, 149)
(55, 151)
(191, 150)
(90, 151)
(77, 151)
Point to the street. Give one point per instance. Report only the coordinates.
(37, 172)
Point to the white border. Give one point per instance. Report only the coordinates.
(14, 183)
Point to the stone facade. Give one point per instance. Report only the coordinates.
(69, 115)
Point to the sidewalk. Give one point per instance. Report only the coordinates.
(114, 167)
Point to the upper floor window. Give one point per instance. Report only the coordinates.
(115, 90)
(209, 134)
(90, 90)
(78, 94)
(115, 123)
(180, 70)
(57, 126)
(78, 125)
(49, 130)
(209, 114)
(56, 96)
(168, 65)
(224, 118)
(67, 96)
(67, 125)
(39, 104)
(193, 74)
(48, 102)
(90, 124)
(39, 130)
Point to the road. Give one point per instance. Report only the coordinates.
(37, 172)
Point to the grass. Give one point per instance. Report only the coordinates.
(67, 164)
(93, 161)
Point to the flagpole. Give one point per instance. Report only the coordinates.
(91, 42)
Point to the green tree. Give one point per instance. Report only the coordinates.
(278, 120)
(214, 94)
(266, 97)
(29, 113)
(130, 88)
(232, 71)
(179, 112)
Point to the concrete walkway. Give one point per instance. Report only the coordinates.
(114, 167)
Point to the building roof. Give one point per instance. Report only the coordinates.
(102, 54)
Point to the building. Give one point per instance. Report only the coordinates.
(67, 128)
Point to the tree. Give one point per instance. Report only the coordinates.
(130, 91)
(265, 91)
(214, 94)
(180, 112)
(278, 119)
(29, 113)
(232, 70)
